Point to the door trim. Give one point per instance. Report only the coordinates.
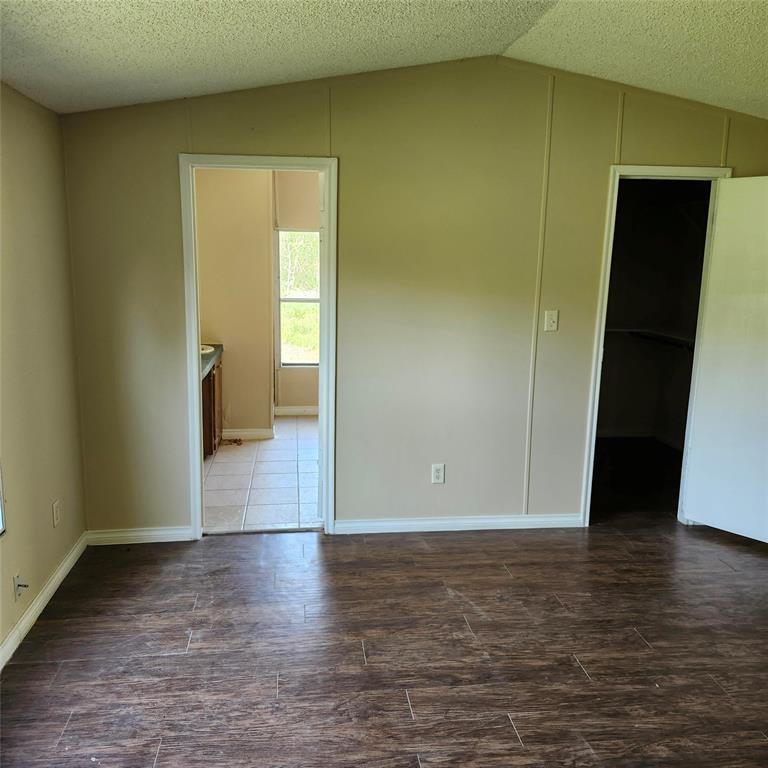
(328, 167)
(618, 172)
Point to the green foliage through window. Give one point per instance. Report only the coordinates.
(299, 265)
(299, 254)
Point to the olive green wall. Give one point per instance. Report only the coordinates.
(472, 196)
(39, 435)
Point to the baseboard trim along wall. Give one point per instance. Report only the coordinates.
(296, 410)
(248, 434)
(88, 538)
(29, 617)
(139, 535)
(428, 524)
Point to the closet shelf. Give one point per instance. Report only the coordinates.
(657, 336)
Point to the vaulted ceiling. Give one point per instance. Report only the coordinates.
(73, 55)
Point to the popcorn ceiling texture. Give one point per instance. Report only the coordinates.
(73, 55)
(715, 51)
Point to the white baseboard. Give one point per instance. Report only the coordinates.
(139, 535)
(29, 617)
(426, 524)
(248, 434)
(296, 410)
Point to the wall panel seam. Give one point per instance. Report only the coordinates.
(619, 128)
(726, 139)
(188, 121)
(537, 292)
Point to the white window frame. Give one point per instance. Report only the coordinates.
(278, 299)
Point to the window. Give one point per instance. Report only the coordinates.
(299, 280)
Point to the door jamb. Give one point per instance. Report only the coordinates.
(328, 167)
(618, 172)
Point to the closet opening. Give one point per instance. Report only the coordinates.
(654, 286)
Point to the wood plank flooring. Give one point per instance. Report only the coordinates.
(624, 645)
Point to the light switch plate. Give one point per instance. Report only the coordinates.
(438, 474)
(551, 320)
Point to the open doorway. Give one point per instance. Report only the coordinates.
(259, 242)
(653, 285)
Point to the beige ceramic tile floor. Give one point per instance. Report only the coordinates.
(265, 485)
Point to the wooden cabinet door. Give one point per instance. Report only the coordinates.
(207, 406)
(218, 414)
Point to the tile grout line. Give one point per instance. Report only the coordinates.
(583, 669)
(250, 486)
(562, 604)
(298, 489)
(410, 707)
(515, 727)
(714, 680)
(64, 729)
(642, 638)
(157, 754)
(365, 658)
(247, 495)
(589, 746)
(60, 664)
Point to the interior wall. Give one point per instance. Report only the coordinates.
(297, 206)
(445, 266)
(39, 431)
(235, 286)
(297, 200)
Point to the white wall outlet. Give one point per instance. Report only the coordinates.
(56, 510)
(438, 473)
(551, 320)
(18, 587)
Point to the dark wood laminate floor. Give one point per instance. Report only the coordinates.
(625, 645)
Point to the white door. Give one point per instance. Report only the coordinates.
(725, 481)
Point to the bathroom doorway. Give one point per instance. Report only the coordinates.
(260, 254)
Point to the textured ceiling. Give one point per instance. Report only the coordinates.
(715, 51)
(74, 55)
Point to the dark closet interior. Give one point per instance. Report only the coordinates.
(653, 303)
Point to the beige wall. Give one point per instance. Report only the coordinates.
(297, 206)
(297, 200)
(235, 279)
(39, 434)
(297, 386)
(443, 173)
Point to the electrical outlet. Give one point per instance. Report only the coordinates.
(56, 510)
(438, 473)
(551, 320)
(18, 586)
